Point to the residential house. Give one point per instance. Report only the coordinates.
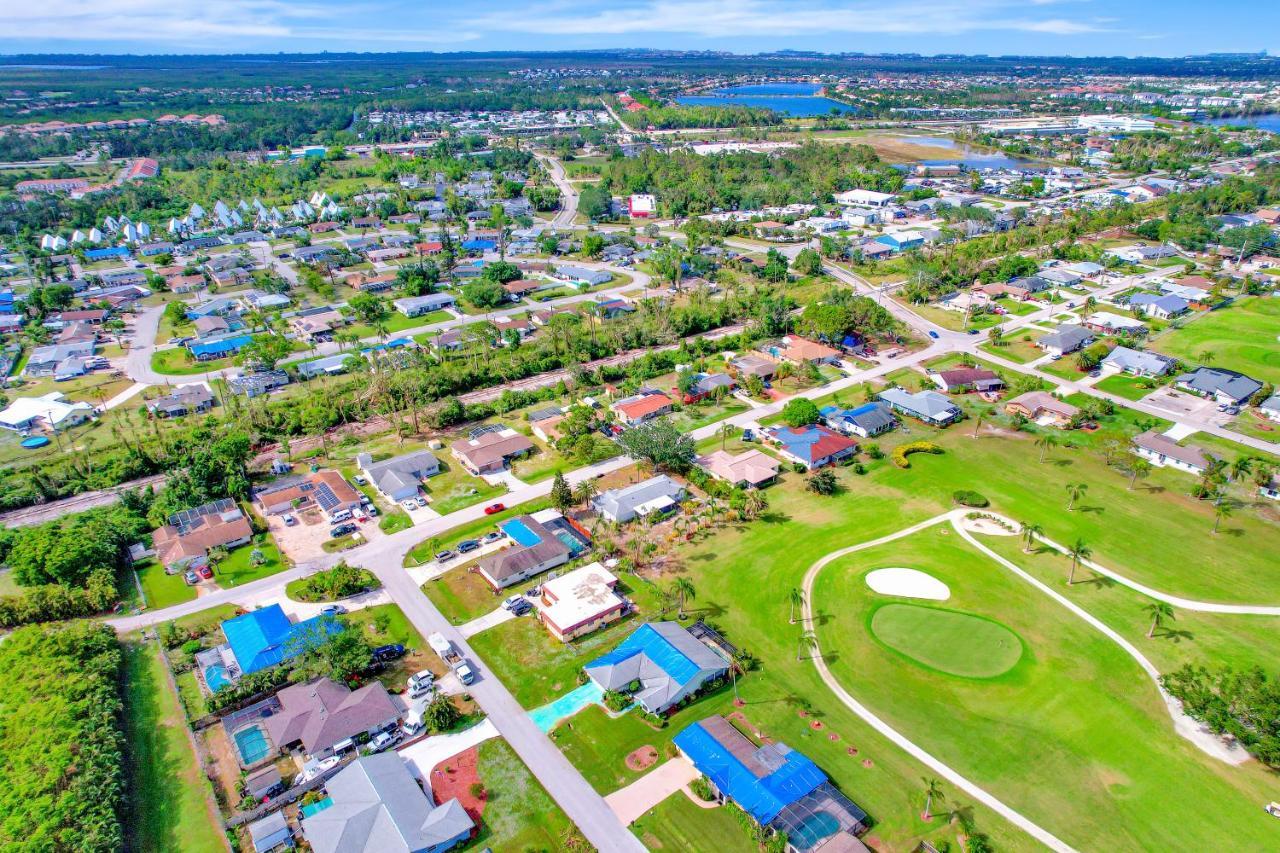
(325, 489)
(271, 832)
(47, 360)
(657, 494)
(864, 198)
(928, 406)
(1160, 307)
(258, 383)
(963, 379)
(399, 477)
(211, 326)
(265, 637)
(750, 469)
(708, 384)
(545, 423)
(812, 446)
(579, 602)
(376, 806)
(416, 306)
(1114, 324)
(183, 400)
(1270, 408)
(754, 365)
(317, 324)
(325, 716)
(642, 407)
(51, 411)
(775, 785)
(189, 536)
(1225, 386)
(867, 420)
(1043, 408)
(490, 452)
(330, 365)
(1164, 452)
(1141, 254)
(1067, 338)
(1137, 362)
(798, 350)
(670, 663)
(539, 542)
(583, 276)
(218, 347)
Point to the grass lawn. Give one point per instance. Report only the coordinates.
(540, 465)
(178, 362)
(677, 824)
(954, 320)
(1129, 387)
(519, 814)
(397, 322)
(1084, 738)
(698, 415)
(1014, 349)
(453, 488)
(1241, 337)
(1065, 368)
(947, 640)
(163, 590)
(462, 595)
(167, 805)
(1248, 424)
(424, 550)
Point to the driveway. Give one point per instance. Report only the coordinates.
(430, 752)
(1183, 406)
(631, 802)
(483, 623)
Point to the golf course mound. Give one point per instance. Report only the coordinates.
(908, 583)
(948, 641)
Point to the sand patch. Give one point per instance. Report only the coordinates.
(908, 583)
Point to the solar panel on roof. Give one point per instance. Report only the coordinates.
(486, 429)
(325, 497)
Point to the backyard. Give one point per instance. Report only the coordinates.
(1242, 336)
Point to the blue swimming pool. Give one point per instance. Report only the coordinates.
(810, 832)
(571, 542)
(253, 744)
(215, 675)
(546, 717)
(317, 806)
(520, 532)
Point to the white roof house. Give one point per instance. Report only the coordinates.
(51, 409)
(863, 198)
(580, 601)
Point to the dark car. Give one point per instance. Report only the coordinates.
(467, 545)
(389, 652)
(933, 334)
(973, 331)
(521, 607)
(341, 530)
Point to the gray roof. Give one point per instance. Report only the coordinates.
(711, 382)
(270, 832)
(1271, 404)
(399, 472)
(871, 419)
(321, 712)
(621, 503)
(929, 404)
(1168, 304)
(1219, 380)
(1066, 337)
(520, 559)
(1159, 443)
(379, 808)
(1137, 361)
(326, 364)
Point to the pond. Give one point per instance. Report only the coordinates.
(953, 153)
(799, 100)
(1265, 121)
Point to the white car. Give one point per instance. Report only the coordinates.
(422, 684)
(383, 740)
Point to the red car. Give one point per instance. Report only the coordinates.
(205, 572)
(493, 509)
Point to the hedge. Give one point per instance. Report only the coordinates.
(902, 451)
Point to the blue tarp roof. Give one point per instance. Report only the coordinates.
(112, 252)
(265, 637)
(219, 346)
(762, 798)
(474, 244)
(648, 641)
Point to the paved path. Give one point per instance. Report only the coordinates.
(489, 620)
(630, 803)
(568, 192)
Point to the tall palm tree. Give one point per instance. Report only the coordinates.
(1138, 468)
(979, 415)
(1075, 491)
(1044, 442)
(755, 503)
(584, 492)
(1242, 466)
(796, 599)
(932, 791)
(1159, 611)
(683, 590)
(1207, 357)
(1078, 553)
(1222, 510)
(726, 432)
(808, 642)
(1029, 534)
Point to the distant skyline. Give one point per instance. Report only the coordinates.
(1028, 27)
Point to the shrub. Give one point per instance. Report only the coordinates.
(874, 451)
(616, 702)
(701, 788)
(964, 497)
(342, 581)
(902, 451)
(477, 790)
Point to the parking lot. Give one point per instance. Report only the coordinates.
(305, 539)
(1181, 405)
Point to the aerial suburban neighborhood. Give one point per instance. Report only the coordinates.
(755, 441)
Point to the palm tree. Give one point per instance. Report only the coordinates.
(796, 599)
(1207, 357)
(1075, 491)
(682, 589)
(1220, 511)
(726, 432)
(808, 642)
(1159, 612)
(1138, 468)
(1044, 442)
(1029, 534)
(755, 503)
(932, 791)
(1078, 553)
(1242, 466)
(584, 492)
(981, 413)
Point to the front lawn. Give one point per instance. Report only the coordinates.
(179, 362)
(677, 824)
(163, 590)
(453, 488)
(519, 814)
(1241, 337)
(462, 595)
(1013, 348)
(397, 322)
(425, 550)
(1129, 387)
(168, 795)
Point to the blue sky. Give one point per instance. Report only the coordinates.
(1047, 27)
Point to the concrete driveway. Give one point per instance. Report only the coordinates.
(631, 802)
(1183, 406)
(430, 752)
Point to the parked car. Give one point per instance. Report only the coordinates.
(191, 578)
(422, 502)
(373, 510)
(341, 530)
(421, 684)
(492, 536)
(388, 652)
(333, 610)
(521, 607)
(933, 334)
(359, 480)
(205, 572)
(444, 556)
(290, 519)
(511, 601)
(409, 503)
(494, 509)
(383, 740)
(466, 546)
(973, 331)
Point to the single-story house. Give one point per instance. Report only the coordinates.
(258, 383)
(642, 407)
(708, 384)
(51, 410)
(577, 603)
(329, 364)
(1067, 338)
(928, 406)
(750, 469)
(188, 537)
(798, 350)
(416, 306)
(1137, 362)
(1114, 324)
(864, 198)
(670, 663)
(812, 446)
(582, 275)
(1160, 307)
(324, 715)
(657, 494)
(214, 348)
(1164, 452)
(1140, 254)
(270, 832)
(489, 452)
(211, 326)
(1270, 408)
(962, 379)
(1043, 408)
(325, 489)
(265, 637)
(400, 476)
(183, 400)
(754, 365)
(865, 421)
(1225, 386)
(540, 542)
(46, 360)
(376, 806)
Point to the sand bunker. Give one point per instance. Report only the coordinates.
(908, 583)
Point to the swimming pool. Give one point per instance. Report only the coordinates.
(570, 541)
(215, 675)
(253, 744)
(546, 717)
(520, 532)
(317, 806)
(812, 830)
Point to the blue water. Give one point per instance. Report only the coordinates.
(520, 532)
(815, 828)
(253, 744)
(570, 542)
(792, 99)
(215, 675)
(1266, 121)
(34, 442)
(970, 158)
(317, 806)
(546, 717)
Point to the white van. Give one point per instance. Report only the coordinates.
(340, 515)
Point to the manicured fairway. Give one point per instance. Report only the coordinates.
(1075, 736)
(946, 640)
(1243, 337)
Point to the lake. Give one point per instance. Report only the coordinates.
(799, 100)
(958, 154)
(1265, 121)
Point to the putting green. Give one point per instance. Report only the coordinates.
(947, 640)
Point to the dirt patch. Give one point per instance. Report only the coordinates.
(224, 763)
(868, 763)
(853, 750)
(454, 778)
(833, 737)
(642, 759)
(816, 725)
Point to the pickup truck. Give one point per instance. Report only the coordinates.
(450, 655)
